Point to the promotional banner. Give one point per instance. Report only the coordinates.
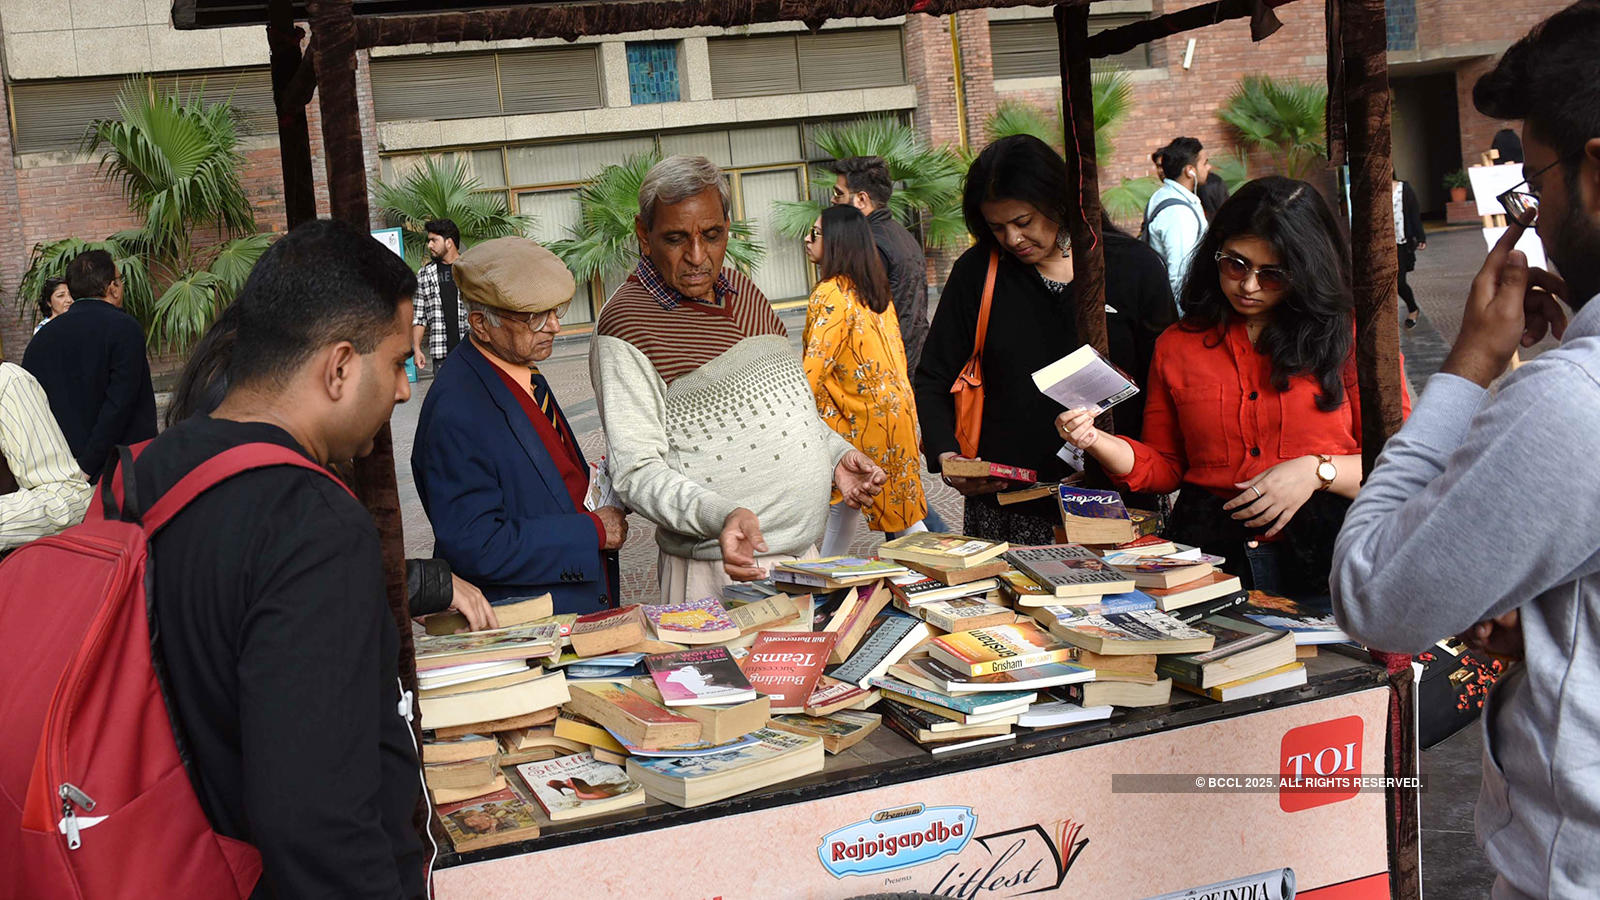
(1283, 803)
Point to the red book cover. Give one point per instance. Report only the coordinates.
(785, 665)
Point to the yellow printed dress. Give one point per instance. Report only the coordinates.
(856, 364)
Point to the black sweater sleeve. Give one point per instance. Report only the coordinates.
(1411, 209)
(946, 351)
(429, 589)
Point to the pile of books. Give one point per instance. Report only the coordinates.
(950, 641)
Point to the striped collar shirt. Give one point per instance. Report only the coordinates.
(51, 493)
(668, 296)
(429, 312)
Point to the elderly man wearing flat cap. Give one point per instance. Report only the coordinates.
(496, 464)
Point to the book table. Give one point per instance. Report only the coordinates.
(1286, 792)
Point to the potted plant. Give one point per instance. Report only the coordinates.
(1457, 182)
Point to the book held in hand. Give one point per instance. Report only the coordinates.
(699, 677)
(1083, 379)
(578, 786)
(959, 467)
(508, 614)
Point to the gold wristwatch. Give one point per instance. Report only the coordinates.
(1326, 471)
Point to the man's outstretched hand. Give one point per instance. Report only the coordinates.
(858, 478)
(741, 542)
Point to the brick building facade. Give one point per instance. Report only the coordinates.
(726, 94)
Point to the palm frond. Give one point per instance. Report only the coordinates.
(603, 245)
(185, 310)
(1231, 168)
(1127, 201)
(927, 179)
(1113, 100)
(1283, 118)
(1013, 117)
(794, 218)
(49, 260)
(445, 190)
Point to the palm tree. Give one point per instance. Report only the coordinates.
(1283, 118)
(437, 189)
(927, 180)
(176, 159)
(1113, 99)
(603, 246)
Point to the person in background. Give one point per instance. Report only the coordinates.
(1409, 237)
(280, 651)
(1253, 414)
(1174, 219)
(1482, 515)
(1213, 192)
(1014, 207)
(430, 585)
(42, 492)
(440, 316)
(857, 371)
(864, 183)
(496, 462)
(1508, 145)
(92, 364)
(54, 298)
(713, 431)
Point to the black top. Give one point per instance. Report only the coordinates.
(908, 280)
(91, 362)
(282, 662)
(1411, 212)
(1031, 326)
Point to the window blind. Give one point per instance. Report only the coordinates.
(754, 66)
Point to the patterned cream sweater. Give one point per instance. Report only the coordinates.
(706, 409)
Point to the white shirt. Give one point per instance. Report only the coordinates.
(52, 493)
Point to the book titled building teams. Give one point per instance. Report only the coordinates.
(786, 665)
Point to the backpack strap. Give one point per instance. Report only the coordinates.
(219, 468)
(1171, 202)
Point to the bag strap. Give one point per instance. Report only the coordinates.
(983, 308)
(1169, 203)
(219, 468)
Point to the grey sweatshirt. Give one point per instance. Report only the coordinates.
(1480, 505)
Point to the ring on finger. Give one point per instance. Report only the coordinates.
(1257, 490)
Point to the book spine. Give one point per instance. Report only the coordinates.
(1023, 661)
(1179, 670)
(805, 579)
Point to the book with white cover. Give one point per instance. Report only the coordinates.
(1083, 379)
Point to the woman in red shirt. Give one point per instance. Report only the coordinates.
(1253, 411)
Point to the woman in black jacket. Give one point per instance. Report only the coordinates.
(1409, 237)
(1013, 202)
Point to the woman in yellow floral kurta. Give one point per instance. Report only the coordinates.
(856, 363)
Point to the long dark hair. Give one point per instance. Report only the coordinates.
(848, 251)
(204, 380)
(1020, 167)
(50, 285)
(1311, 331)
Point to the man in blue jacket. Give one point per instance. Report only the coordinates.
(497, 466)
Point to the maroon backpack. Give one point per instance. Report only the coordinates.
(96, 800)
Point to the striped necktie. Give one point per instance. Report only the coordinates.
(546, 401)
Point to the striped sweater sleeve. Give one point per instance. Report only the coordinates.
(52, 493)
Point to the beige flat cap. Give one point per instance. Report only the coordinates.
(514, 274)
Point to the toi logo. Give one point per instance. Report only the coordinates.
(1319, 764)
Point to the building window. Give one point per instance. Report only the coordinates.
(479, 85)
(794, 63)
(1029, 49)
(53, 116)
(1402, 24)
(653, 72)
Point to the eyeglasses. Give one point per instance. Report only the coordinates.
(536, 320)
(813, 235)
(1270, 278)
(1522, 207)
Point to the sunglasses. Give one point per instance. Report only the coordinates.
(1522, 206)
(813, 235)
(1270, 278)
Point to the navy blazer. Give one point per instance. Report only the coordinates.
(502, 516)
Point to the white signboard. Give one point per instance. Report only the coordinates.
(390, 237)
(1489, 182)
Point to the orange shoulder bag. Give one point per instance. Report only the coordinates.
(968, 389)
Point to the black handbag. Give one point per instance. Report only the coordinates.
(1455, 681)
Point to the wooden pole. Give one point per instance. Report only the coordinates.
(1083, 196)
(1362, 40)
(294, 131)
(334, 49)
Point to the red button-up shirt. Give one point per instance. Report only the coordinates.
(1212, 418)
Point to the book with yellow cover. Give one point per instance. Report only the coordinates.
(955, 551)
(1000, 648)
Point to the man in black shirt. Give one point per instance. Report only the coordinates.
(440, 315)
(281, 654)
(864, 183)
(92, 365)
